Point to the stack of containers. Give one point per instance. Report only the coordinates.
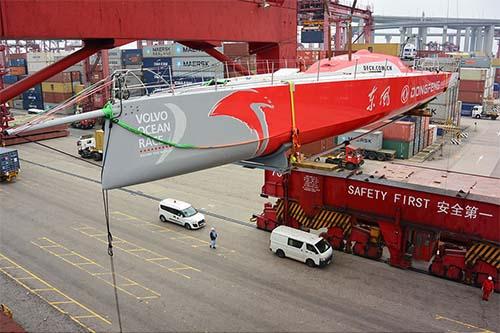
(496, 90)
(372, 141)
(432, 134)
(59, 88)
(16, 70)
(475, 85)
(114, 59)
(444, 106)
(157, 59)
(424, 142)
(399, 136)
(132, 59)
(195, 65)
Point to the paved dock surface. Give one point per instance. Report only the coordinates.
(53, 244)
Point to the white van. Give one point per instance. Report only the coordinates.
(300, 245)
(180, 212)
(409, 52)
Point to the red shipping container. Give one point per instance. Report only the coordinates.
(17, 56)
(52, 97)
(317, 147)
(470, 97)
(472, 85)
(63, 77)
(399, 130)
(425, 122)
(21, 70)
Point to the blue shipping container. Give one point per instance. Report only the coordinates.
(132, 57)
(466, 113)
(9, 160)
(32, 104)
(468, 106)
(496, 86)
(9, 79)
(440, 131)
(17, 63)
(311, 36)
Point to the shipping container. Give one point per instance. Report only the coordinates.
(65, 77)
(34, 67)
(17, 62)
(132, 57)
(317, 147)
(371, 141)
(472, 85)
(404, 149)
(157, 64)
(311, 36)
(466, 113)
(20, 70)
(468, 106)
(180, 50)
(187, 80)
(40, 57)
(418, 138)
(115, 53)
(197, 64)
(57, 87)
(33, 104)
(398, 130)
(477, 74)
(476, 62)
(53, 97)
(392, 49)
(17, 56)
(157, 51)
(10, 79)
(470, 97)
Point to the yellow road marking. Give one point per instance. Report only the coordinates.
(143, 253)
(91, 314)
(483, 330)
(153, 227)
(99, 274)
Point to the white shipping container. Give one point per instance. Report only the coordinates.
(190, 64)
(34, 67)
(40, 57)
(181, 50)
(372, 141)
(157, 51)
(473, 74)
(202, 74)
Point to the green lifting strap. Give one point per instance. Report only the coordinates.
(108, 114)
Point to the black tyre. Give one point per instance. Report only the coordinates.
(381, 157)
(162, 218)
(310, 263)
(478, 116)
(330, 160)
(187, 226)
(372, 156)
(350, 166)
(280, 253)
(97, 156)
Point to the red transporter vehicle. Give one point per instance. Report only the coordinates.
(446, 222)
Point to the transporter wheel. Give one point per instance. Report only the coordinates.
(371, 155)
(162, 218)
(478, 116)
(350, 166)
(187, 226)
(381, 157)
(280, 253)
(310, 263)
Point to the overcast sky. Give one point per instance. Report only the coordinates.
(441, 8)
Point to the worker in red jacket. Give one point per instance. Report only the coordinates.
(487, 288)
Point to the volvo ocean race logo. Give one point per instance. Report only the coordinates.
(405, 93)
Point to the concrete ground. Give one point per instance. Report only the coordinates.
(478, 154)
(53, 244)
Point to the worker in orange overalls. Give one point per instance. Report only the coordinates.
(487, 288)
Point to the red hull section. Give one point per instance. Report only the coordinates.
(324, 109)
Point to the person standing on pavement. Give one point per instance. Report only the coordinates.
(213, 238)
(487, 288)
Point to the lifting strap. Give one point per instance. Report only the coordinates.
(295, 131)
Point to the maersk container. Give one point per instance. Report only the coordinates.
(156, 51)
(371, 141)
(476, 74)
(185, 80)
(476, 62)
(132, 57)
(180, 50)
(196, 64)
